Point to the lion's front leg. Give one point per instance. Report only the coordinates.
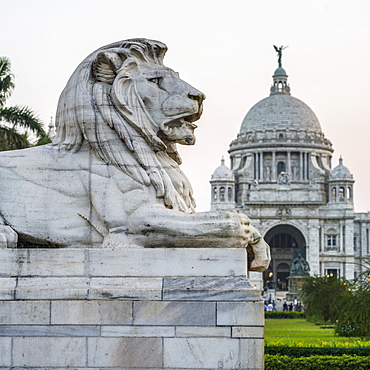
(8, 237)
(157, 227)
(258, 252)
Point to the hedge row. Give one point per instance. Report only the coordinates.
(317, 363)
(316, 351)
(284, 315)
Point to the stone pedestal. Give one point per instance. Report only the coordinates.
(294, 287)
(128, 309)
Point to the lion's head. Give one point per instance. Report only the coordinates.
(132, 110)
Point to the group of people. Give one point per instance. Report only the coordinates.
(270, 306)
(297, 306)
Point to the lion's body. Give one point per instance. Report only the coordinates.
(111, 176)
(65, 199)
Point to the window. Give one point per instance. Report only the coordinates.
(331, 241)
(280, 167)
(355, 243)
(215, 193)
(332, 273)
(349, 192)
(222, 194)
(283, 240)
(341, 194)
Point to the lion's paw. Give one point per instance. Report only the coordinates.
(8, 237)
(261, 256)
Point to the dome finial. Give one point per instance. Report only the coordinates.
(280, 53)
(280, 83)
(340, 160)
(223, 161)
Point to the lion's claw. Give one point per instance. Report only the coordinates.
(8, 237)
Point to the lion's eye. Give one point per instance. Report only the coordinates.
(155, 80)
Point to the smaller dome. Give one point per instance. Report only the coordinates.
(280, 72)
(341, 172)
(223, 172)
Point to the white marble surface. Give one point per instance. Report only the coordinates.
(25, 312)
(5, 350)
(209, 289)
(202, 353)
(46, 351)
(91, 313)
(240, 313)
(52, 288)
(168, 262)
(125, 353)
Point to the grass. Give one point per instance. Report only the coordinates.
(299, 332)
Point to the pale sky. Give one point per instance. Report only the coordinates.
(223, 48)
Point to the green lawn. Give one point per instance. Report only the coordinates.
(299, 332)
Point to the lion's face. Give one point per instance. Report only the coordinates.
(172, 103)
(132, 111)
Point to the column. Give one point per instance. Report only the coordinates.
(307, 166)
(273, 169)
(300, 166)
(255, 165)
(261, 166)
(289, 170)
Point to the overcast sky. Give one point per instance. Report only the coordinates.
(223, 48)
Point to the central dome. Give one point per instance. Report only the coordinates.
(280, 112)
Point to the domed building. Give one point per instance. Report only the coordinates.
(223, 188)
(281, 177)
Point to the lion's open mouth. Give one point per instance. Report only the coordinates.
(180, 131)
(186, 119)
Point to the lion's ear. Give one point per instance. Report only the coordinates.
(105, 66)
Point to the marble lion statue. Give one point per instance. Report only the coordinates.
(111, 177)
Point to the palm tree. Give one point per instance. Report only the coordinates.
(14, 118)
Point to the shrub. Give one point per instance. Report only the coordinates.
(317, 363)
(284, 315)
(347, 329)
(316, 351)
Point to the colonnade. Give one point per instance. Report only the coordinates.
(261, 172)
(341, 193)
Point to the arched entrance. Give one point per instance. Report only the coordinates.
(286, 242)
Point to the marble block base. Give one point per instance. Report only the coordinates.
(97, 309)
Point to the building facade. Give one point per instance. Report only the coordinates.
(281, 176)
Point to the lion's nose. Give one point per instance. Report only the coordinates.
(197, 97)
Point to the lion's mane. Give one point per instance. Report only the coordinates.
(100, 104)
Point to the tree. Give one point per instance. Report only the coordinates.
(322, 297)
(15, 122)
(341, 302)
(354, 308)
